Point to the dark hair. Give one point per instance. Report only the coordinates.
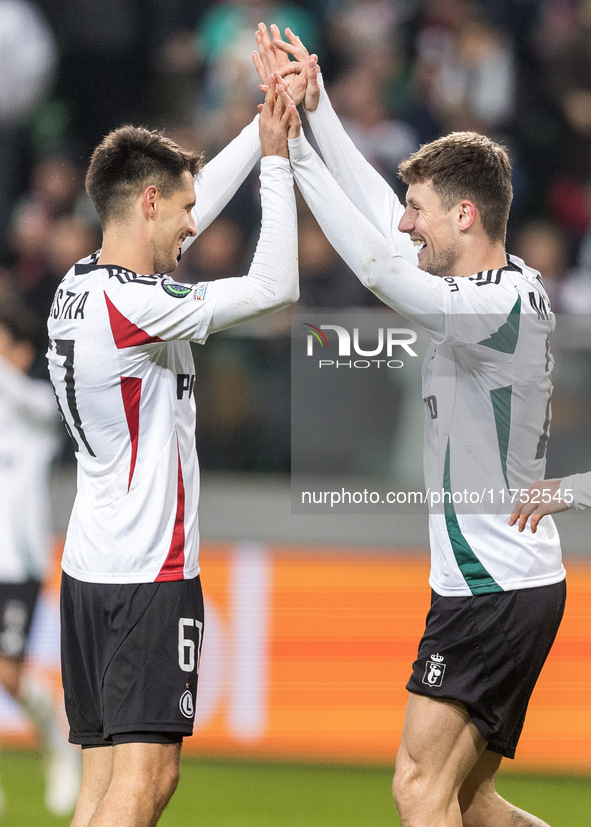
(128, 160)
(466, 165)
(18, 319)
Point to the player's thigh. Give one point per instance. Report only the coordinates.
(440, 744)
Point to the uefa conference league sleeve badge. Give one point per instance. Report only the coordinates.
(176, 290)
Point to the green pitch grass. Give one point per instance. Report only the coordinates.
(228, 794)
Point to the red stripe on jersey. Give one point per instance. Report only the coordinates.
(174, 565)
(131, 391)
(126, 333)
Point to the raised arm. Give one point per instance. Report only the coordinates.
(272, 280)
(366, 188)
(374, 260)
(220, 178)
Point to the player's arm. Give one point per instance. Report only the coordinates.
(551, 497)
(272, 280)
(376, 263)
(167, 311)
(220, 178)
(366, 188)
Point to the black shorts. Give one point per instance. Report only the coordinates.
(17, 607)
(487, 652)
(130, 660)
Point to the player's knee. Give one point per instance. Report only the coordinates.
(164, 785)
(168, 782)
(408, 784)
(416, 791)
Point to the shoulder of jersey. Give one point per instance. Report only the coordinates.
(492, 277)
(122, 276)
(119, 274)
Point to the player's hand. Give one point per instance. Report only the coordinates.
(308, 63)
(279, 118)
(268, 59)
(540, 499)
(300, 74)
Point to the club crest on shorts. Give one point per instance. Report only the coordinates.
(186, 704)
(434, 671)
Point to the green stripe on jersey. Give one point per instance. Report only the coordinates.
(479, 581)
(505, 338)
(501, 402)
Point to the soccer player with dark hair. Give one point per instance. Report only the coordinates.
(497, 595)
(121, 363)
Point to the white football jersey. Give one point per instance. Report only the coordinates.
(487, 388)
(28, 441)
(486, 376)
(125, 392)
(121, 364)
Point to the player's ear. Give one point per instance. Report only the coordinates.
(149, 201)
(467, 214)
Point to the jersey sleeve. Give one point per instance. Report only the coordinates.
(272, 280)
(366, 188)
(575, 490)
(220, 178)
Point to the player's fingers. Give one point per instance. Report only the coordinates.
(267, 52)
(279, 43)
(533, 523)
(521, 512)
(286, 103)
(283, 89)
(270, 94)
(295, 40)
(279, 105)
(262, 36)
(295, 123)
(258, 65)
(312, 71)
(293, 67)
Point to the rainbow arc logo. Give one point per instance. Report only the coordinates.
(315, 331)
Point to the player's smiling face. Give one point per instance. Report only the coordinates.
(433, 230)
(174, 224)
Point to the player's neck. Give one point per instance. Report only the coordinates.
(479, 257)
(123, 248)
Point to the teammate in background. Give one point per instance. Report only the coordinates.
(121, 364)
(550, 497)
(497, 595)
(28, 441)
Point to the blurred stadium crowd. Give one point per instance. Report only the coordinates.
(400, 73)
